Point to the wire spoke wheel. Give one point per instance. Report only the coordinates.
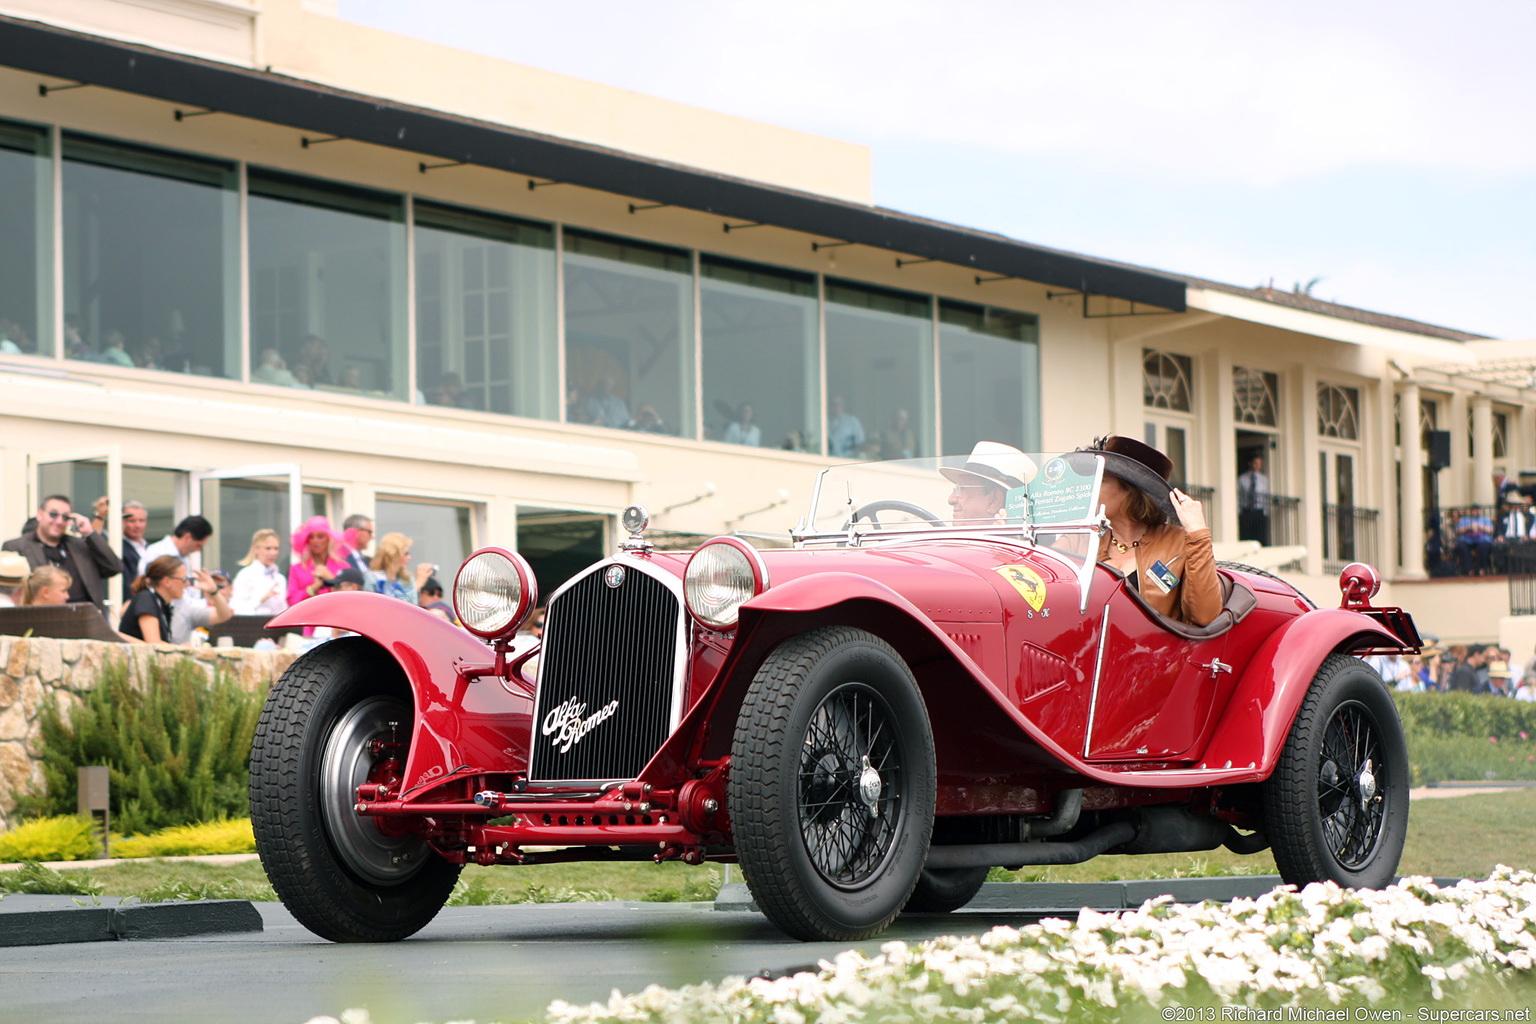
(1336, 806)
(833, 784)
(849, 786)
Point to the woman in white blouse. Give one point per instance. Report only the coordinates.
(259, 589)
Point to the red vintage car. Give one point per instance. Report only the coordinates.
(866, 721)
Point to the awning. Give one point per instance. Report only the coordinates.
(278, 99)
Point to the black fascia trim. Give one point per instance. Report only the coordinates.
(277, 99)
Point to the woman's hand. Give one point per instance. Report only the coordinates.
(1190, 512)
(323, 572)
(205, 582)
(424, 572)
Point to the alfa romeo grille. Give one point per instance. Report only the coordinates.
(606, 677)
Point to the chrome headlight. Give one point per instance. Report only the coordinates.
(722, 576)
(494, 592)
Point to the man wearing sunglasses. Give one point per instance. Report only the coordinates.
(66, 539)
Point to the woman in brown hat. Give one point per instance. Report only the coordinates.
(1171, 565)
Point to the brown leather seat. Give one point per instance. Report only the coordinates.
(1236, 602)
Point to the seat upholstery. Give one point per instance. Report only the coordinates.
(1237, 602)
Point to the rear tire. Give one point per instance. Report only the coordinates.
(832, 785)
(943, 890)
(333, 869)
(1336, 807)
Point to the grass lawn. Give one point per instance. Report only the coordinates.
(1460, 836)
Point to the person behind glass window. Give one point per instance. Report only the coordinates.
(845, 434)
(983, 482)
(390, 573)
(898, 441)
(260, 588)
(47, 585)
(86, 555)
(315, 563)
(1171, 565)
(604, 407)
(743, 430)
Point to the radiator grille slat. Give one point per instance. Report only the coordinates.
(605, 644)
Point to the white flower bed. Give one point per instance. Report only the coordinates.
(1409, 944)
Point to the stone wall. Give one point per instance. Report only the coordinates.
(34, 670)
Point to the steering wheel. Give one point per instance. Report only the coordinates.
(891, 505)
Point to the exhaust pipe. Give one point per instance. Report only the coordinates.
(1016, 855)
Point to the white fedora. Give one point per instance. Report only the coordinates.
(993, 463)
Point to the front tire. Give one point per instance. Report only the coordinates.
(832, 785)
(334, 870)
(1336, 807)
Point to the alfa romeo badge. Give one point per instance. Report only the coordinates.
(614, 577)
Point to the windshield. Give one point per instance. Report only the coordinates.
(1006, 492)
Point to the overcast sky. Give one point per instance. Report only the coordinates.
(1387, 148)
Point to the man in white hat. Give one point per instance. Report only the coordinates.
(13, 573)
(983, 483)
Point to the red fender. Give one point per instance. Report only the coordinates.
(463, 725)
(1265, 701)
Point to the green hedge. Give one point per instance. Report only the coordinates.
(178, 748)
(1467, 737)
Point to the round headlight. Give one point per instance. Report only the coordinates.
(493, 592)
(722, 576)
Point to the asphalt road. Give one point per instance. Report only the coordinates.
(471, 963)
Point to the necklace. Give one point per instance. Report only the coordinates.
(1120, 545)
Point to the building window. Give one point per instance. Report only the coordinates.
(327, 286)
(1500, 426)
(879, 371)
(1255, 397)
(26, 202)
(485, 312)
(628, 334)
(1338, 412)
(442, 533)
(989, 372)
(150, 265)
(761, 364)
(1166, 380)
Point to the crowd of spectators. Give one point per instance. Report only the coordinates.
(63, 557)
(1477, 668)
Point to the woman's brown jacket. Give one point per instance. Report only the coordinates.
(1196, 597)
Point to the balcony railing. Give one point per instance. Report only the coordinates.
(1206, 496)
(1475, 540)
(1349, 535)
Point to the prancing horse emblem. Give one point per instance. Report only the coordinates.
(614, 577)
(1027, 582)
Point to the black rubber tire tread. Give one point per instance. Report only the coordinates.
(312, 882)
(769, 846)
(1292, 819)
(945, 890)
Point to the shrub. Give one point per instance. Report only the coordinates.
(32, 879)
(1465, 714)
(231, 836)
(65, 837)
(177, 888)
(178, 748)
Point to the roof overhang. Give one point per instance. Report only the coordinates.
(278, 99)
(1301, 321)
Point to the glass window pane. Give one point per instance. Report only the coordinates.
(880, 393)
(26, 206)
(762, 374)
(485, 313)
(628, 335)
(989, 366)
(150, 267)
(558, 544)
(440, 534)
(327, 286)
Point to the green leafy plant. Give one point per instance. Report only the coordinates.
(229, 836)
(177, 748)
(33, 879)
(473, 892)
(176, 888)
(63, 837)
(700, 890)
